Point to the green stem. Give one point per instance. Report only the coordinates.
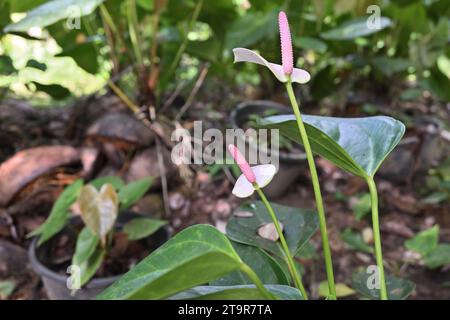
(255, 279)
(317, 193)
(289, 261)
(134, 31)
(377, 236)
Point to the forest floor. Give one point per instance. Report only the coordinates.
(202, 197)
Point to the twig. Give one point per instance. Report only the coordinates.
(172, 97)
(162, 170)
(194, 91)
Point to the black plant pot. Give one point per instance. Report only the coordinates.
(56, 283)
(291, 164)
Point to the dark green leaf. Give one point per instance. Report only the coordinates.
(53, 11)
(84, 55)
(267, 269)
(140, 228)
(310, 44)
(389, 66)
(354, 29)
(195, 256)
(398, 288)
(133, 191)
(206, 50)
(54, 90)
(424, 242)
(299, 226)
(59, 214)
(357, 145)
(240, 292)
(36, 65)
(6, 65)
(251, 28)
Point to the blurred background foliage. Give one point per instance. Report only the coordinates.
(151, 45)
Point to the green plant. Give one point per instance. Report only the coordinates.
(426, 243)
(100, 203)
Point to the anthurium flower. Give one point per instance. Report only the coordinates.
(251, 177)
(286, 70)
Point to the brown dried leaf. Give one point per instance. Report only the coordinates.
(269, 232)
(243, 214)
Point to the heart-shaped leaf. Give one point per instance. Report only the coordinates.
(133, 191)
(240, 292)
(299, 226)
(398, 288)
(140, 228)
(267, 269)
(99, 209)
(59, 214)
(195, 256)
(357, 145)
(53, 11)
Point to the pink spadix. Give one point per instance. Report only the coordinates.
(287, 57)
(242, 163)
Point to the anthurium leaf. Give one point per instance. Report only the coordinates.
(89, 267)
(358, 27)
(267, 269)
(193, 257)
(398, 288)
(424, 242)
(299, 226)
(115, 181)
(99, 209)
(53, 11)
(85, 247)
(133, 191)
(238, 292)
(355, 241)
(357, 145)
(342, 290)
(440, 256)
(59, 214)
(139, 228)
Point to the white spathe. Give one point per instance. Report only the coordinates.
(245, 55)
(263, 173)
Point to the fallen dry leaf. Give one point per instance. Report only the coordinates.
(269, 232)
